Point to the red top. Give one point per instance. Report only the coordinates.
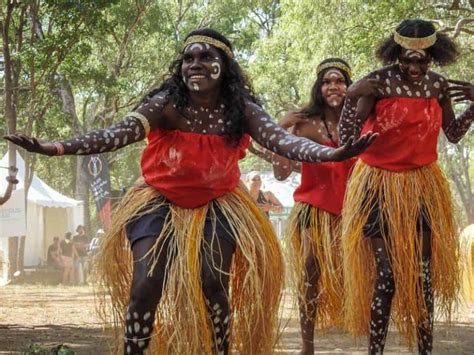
(191, 169)
(408, 133)
(323, 184)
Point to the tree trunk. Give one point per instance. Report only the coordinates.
(10, 107)
(81, 191)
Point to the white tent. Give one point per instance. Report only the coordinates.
(48, 214)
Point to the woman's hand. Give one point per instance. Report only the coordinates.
(292, 119)
(354, 147)
(32, 144)
(461, 91)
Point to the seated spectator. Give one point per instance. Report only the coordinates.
(265, 199)
(54, 259)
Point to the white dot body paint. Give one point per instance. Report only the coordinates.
(136, 327)
(195, 87)
(217, 71)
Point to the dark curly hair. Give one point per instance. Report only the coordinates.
(443, 51)
(316, 104)
(235, 88)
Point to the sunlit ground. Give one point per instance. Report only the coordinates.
(47, 316)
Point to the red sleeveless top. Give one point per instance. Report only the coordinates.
(191, 169)
(323, 185)
(408, 133)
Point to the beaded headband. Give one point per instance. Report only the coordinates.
(413, 42)
(337, 65)
(209, 40)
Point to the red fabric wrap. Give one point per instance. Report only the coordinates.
(191, 169)
(323, 184)
(408, 133)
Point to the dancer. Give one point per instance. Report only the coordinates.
(313, 228)
(207, 269)
(12, 180)
(399, 237)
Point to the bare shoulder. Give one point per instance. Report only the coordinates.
(382, 73)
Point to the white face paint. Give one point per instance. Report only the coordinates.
(333, 77)
(216, 67)
(195, 87)
(418, 53)
(194, 45)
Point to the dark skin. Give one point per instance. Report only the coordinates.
(202, 70)
(198, 67)
(333, 90)
(408, 78)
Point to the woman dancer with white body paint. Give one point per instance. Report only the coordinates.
(313, 228)
(399, 238)
(205, 271)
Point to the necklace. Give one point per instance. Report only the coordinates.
(330, 136)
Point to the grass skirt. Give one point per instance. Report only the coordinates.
(323, 234)
(402, 196)
(182, 324)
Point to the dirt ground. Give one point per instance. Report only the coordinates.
(43, 317)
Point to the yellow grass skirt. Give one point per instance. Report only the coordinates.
(401, 197)
(182, 324)
(320, 231)
(467, 245)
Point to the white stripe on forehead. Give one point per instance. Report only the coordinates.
(419, 53)
(193, 46)
(334, 71)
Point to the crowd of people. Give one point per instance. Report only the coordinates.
(191, 263)
(72, 255)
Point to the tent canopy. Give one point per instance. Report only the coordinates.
(39, 193)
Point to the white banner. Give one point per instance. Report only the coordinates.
(13, 216)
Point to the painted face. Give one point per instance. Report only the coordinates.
(414, 63)
(202, 67)
(333, 88)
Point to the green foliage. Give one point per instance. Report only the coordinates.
(37, 349)
(112, 52)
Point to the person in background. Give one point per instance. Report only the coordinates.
(69, 253)
(81, 242)
(54, 255)
(265, 199)
(94, 244)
